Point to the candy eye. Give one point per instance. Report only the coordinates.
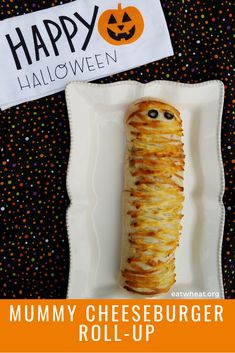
(153, 114)
(168, 115)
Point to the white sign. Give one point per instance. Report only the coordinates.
(84, 40)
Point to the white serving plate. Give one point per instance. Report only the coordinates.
(95, 183)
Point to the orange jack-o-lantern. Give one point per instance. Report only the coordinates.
(122, 25)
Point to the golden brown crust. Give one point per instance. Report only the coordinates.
(153, 197)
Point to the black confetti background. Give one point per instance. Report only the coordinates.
(35, 140)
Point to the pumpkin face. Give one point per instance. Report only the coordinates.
(121, 26)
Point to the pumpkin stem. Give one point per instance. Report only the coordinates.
(119, 6)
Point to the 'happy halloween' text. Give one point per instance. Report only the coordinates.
(48, 75)
(65, 27)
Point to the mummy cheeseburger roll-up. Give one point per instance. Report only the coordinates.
(153, 197)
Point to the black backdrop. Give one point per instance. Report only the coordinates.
(34, 142)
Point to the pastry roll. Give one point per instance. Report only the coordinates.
(153, 197)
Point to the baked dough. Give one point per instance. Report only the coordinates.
(153, 197)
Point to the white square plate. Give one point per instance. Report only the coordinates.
(95, 183)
